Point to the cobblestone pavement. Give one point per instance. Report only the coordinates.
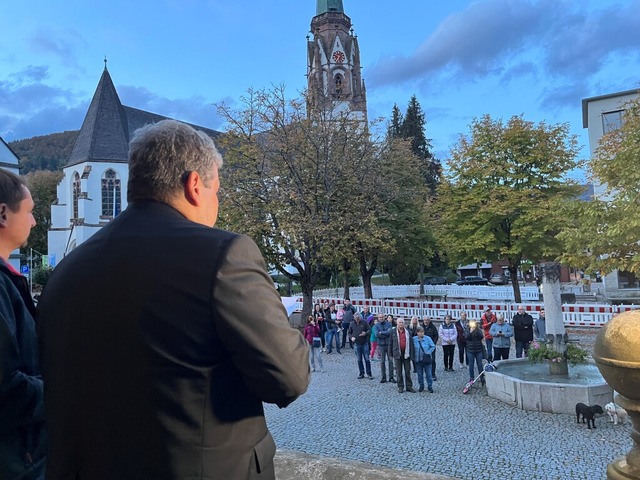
(465, 436)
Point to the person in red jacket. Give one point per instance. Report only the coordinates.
(488, 319)
(312, 336)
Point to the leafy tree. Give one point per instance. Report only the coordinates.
(604, 233)
(394, 129)
(503, 192)
(294, 181)
(43, 185)
(416, 247)
(413, 128)
(390, 209)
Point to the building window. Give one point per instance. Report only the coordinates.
(75, 193)
(612, 121)
(111, 201)
(627, 280)
(338, 79)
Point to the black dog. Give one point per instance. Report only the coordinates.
(588, 412)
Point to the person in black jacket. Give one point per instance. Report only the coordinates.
(522, 324)
(22, 431)
(475, 348)
(359, 332)
(161, 336)
(462, 326)
(431, 331)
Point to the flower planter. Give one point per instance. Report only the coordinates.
(559, 368)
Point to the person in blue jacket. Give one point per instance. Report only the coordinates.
(423, 356)
(501, 333)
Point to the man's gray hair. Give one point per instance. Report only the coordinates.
(163, 154)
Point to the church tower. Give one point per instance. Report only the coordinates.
(333, 66)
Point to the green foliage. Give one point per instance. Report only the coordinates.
(303, 186)
(503, 192)
(603, 234)
(41, 275)
(574, 354)
(43, 186)
(411, 126)
(46, 152)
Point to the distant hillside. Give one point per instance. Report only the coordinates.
(47, 152)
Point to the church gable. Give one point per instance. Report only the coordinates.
(104, 136)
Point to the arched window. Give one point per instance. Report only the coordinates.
(75, 192)
(338, 79)
(111, 202)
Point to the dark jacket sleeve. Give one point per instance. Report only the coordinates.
(271, 356)
(21, 392)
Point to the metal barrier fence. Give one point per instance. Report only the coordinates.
(494, 293)
(574, 315)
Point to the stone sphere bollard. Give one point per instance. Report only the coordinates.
(617, 355)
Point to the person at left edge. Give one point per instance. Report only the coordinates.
(22, 433)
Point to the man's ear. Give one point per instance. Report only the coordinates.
(3, 215)
(192, 187)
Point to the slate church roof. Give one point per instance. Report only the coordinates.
(109, 125)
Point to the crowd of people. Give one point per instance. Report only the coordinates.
(403, 348)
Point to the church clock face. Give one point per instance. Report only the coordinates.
(338, 56)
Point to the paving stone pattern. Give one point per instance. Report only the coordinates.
(465, 436)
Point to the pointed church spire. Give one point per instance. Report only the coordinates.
(104, 136)
(324, 6)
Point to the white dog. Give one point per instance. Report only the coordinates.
(615, 413)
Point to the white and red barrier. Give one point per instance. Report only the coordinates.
(574, 315)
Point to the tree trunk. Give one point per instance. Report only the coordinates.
(513, 271)
(307, 301)
(346, 267)
(367, 274)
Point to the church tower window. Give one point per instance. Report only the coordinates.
(111, 194)
(338, 81)
(75, 191)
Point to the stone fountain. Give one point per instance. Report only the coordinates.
(532, 386)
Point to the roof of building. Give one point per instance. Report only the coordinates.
(586, 101)
(109, 125)
(8, 158)
(324, 6)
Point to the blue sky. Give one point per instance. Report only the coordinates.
(461, 58)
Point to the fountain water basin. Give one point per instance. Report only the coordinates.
(530, 387)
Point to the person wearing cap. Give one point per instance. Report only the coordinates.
(488, 319)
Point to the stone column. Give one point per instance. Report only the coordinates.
(553, 305)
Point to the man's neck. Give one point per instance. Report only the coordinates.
(5, 253)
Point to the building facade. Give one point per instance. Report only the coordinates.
(9, 161)
(600, 115)
(92, 191)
